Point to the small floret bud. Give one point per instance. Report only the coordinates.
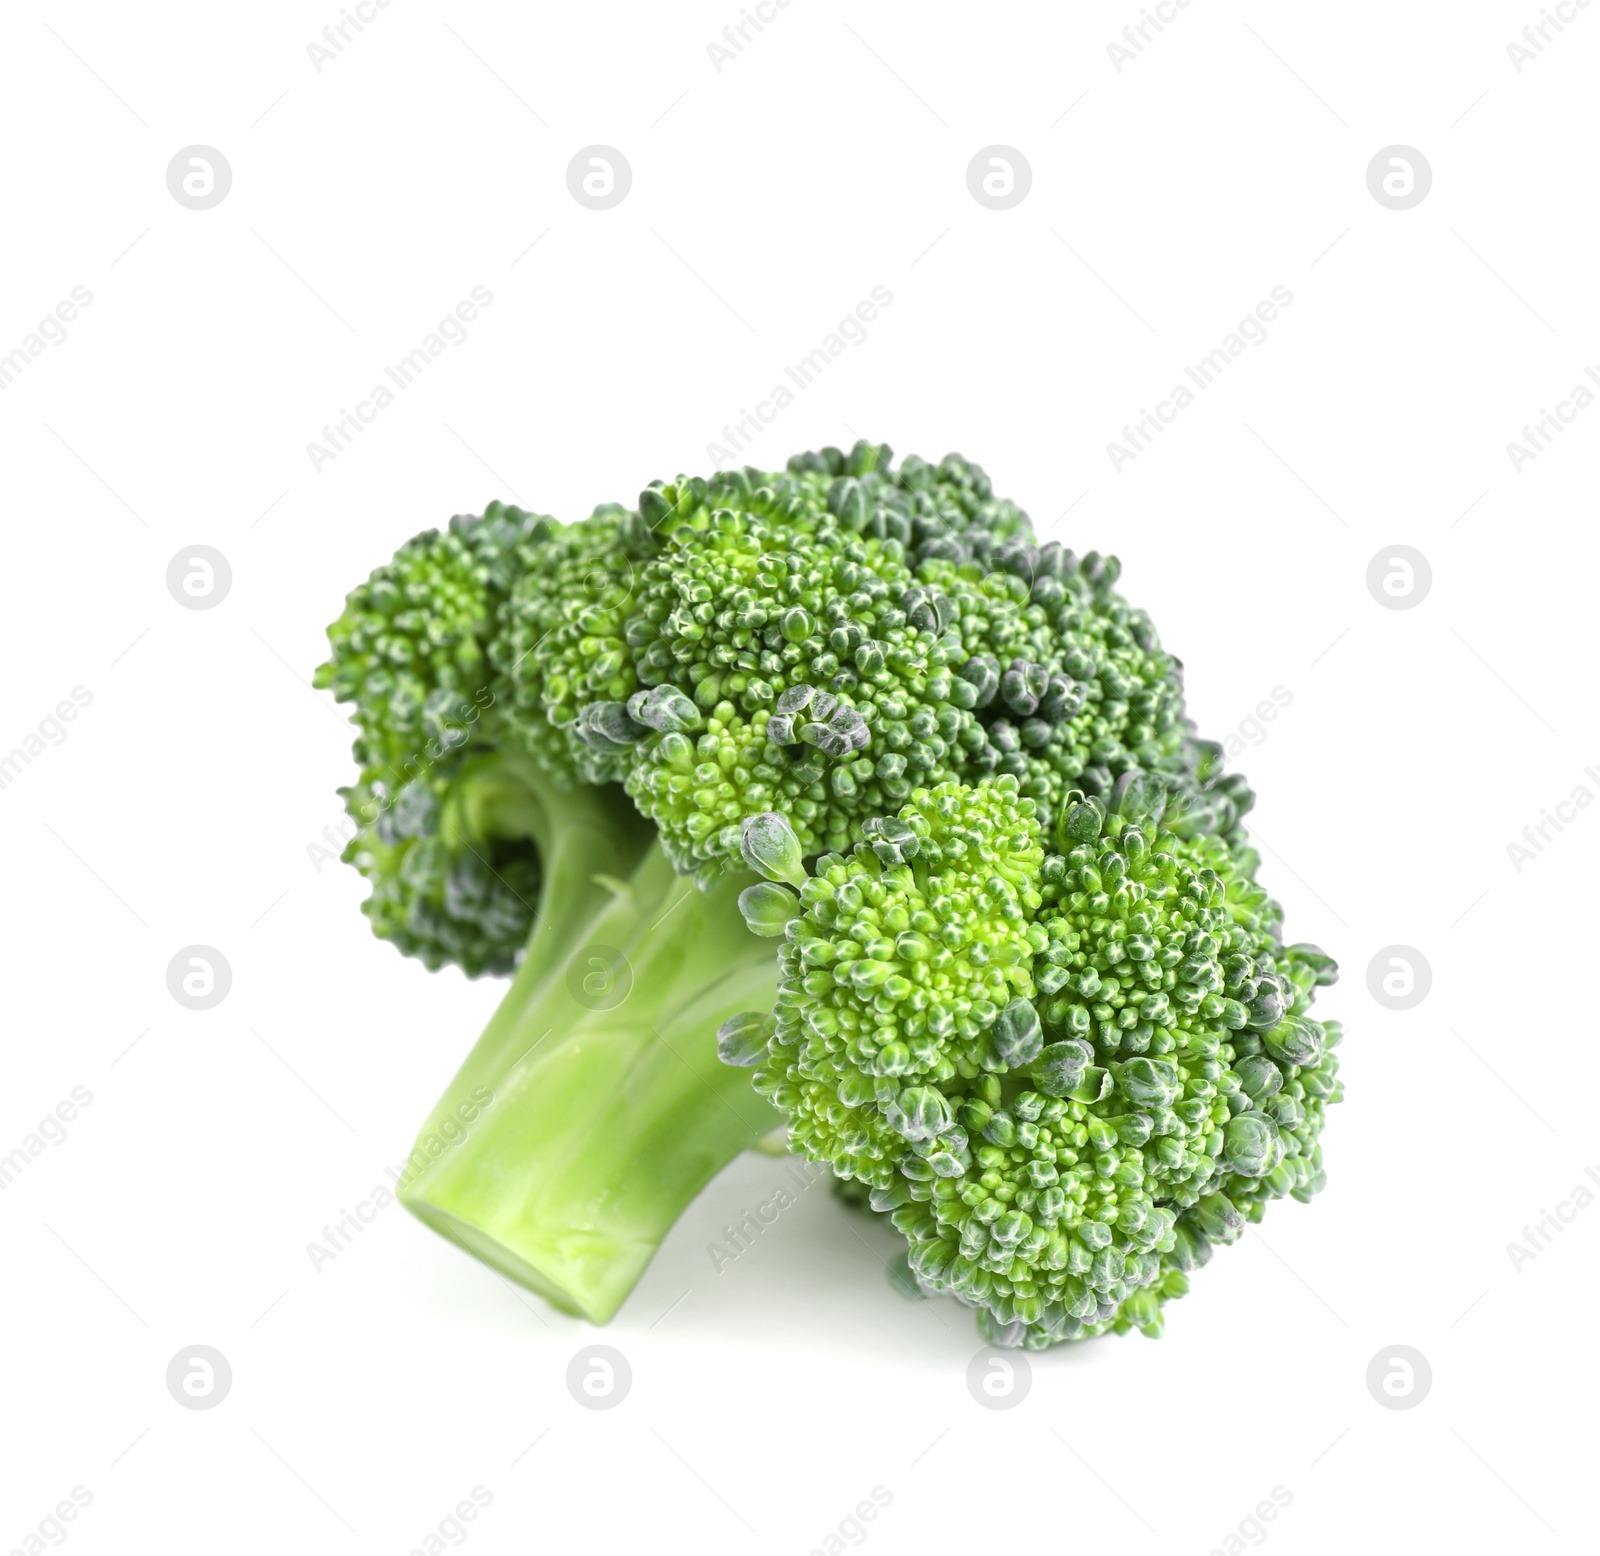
(606, 725)
(742, 1039)
(664, 708)
(1315, 958)
(919, 1113)
(767, 908)
(1017, 1035)
(1218, 1218)
(1294, 1041)
(982, 674)
(1139, 797)
(1251, 1146)
(1082, 821)
(1259, 1077)
(770, 847)
(1153, 1083)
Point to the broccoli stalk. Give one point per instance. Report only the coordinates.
(593, 1109)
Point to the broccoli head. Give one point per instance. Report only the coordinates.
(1066, 1067)
(594, 756)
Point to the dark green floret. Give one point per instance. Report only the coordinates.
(454, 870)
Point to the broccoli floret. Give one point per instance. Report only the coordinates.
(947, 510)
(412, 647)
(1070, 684)
(789, 658)
(561, 646)
(443, 836)
(782, 674)
(455, 873)
(1064, 1074)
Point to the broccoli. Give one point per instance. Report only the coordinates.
(1065, 1073)
(588, 752)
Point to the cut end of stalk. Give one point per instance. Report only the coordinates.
(582, 1273)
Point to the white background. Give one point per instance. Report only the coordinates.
(829, 157)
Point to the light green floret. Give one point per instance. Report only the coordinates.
(576, 625)
(782, 671)
(1066, 1075)
(411, 648)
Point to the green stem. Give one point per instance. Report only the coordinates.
(594, 1108)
